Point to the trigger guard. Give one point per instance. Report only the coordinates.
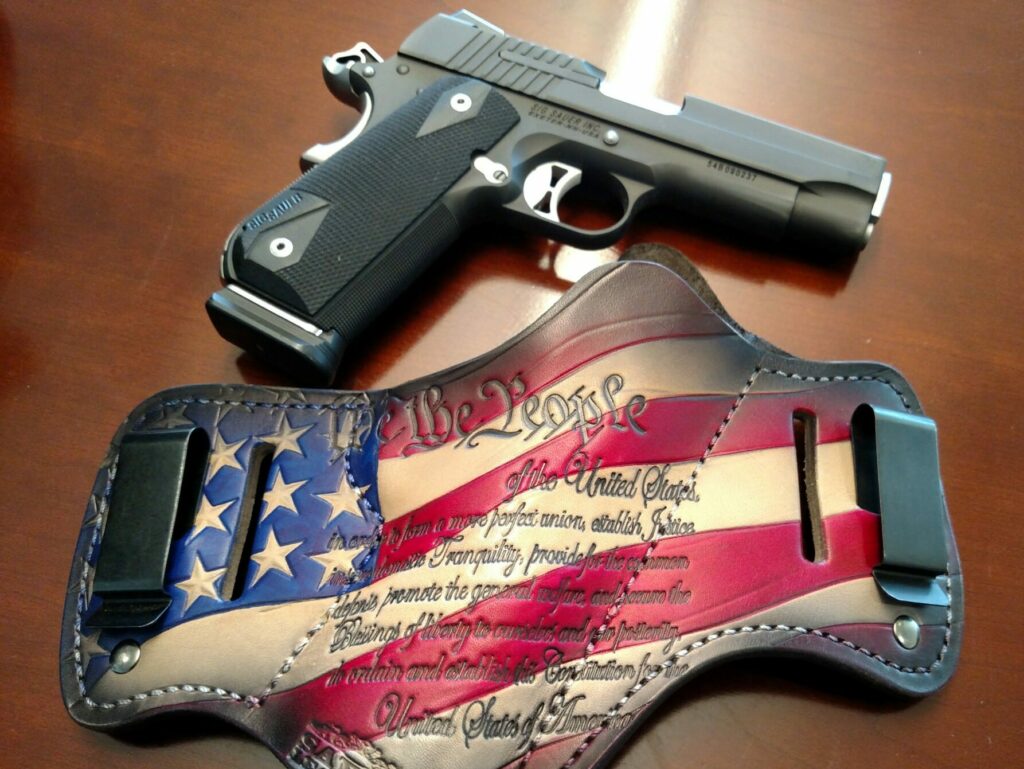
(632, 195)
(318, 153)
(349, 87)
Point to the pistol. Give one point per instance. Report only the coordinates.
(467, 124)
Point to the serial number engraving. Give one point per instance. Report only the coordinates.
(727, 168)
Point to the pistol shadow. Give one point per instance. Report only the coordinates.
(716, 247)
(481, 254)
(256, 371)
(166, 730)
(478, 255)
(499, 251)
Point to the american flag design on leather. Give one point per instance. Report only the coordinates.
(511, 563)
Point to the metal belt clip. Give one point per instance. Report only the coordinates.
(896, 463)
(153, 499)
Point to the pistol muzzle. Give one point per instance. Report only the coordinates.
(835, 217)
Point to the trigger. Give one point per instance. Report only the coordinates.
(546, 185)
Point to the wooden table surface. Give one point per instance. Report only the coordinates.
(134, 136)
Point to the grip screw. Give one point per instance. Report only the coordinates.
(281, 247)
(461, 102)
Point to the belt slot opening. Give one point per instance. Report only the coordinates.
(805, 441)
(233, 584)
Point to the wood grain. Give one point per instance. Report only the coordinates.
(133, 136)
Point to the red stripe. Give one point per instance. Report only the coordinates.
(678, 430)
(684, 424)
(732, 573)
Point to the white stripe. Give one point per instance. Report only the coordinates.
(658, 369)
(243, 649)
(856, 601)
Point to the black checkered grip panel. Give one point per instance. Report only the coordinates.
(383, 182)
